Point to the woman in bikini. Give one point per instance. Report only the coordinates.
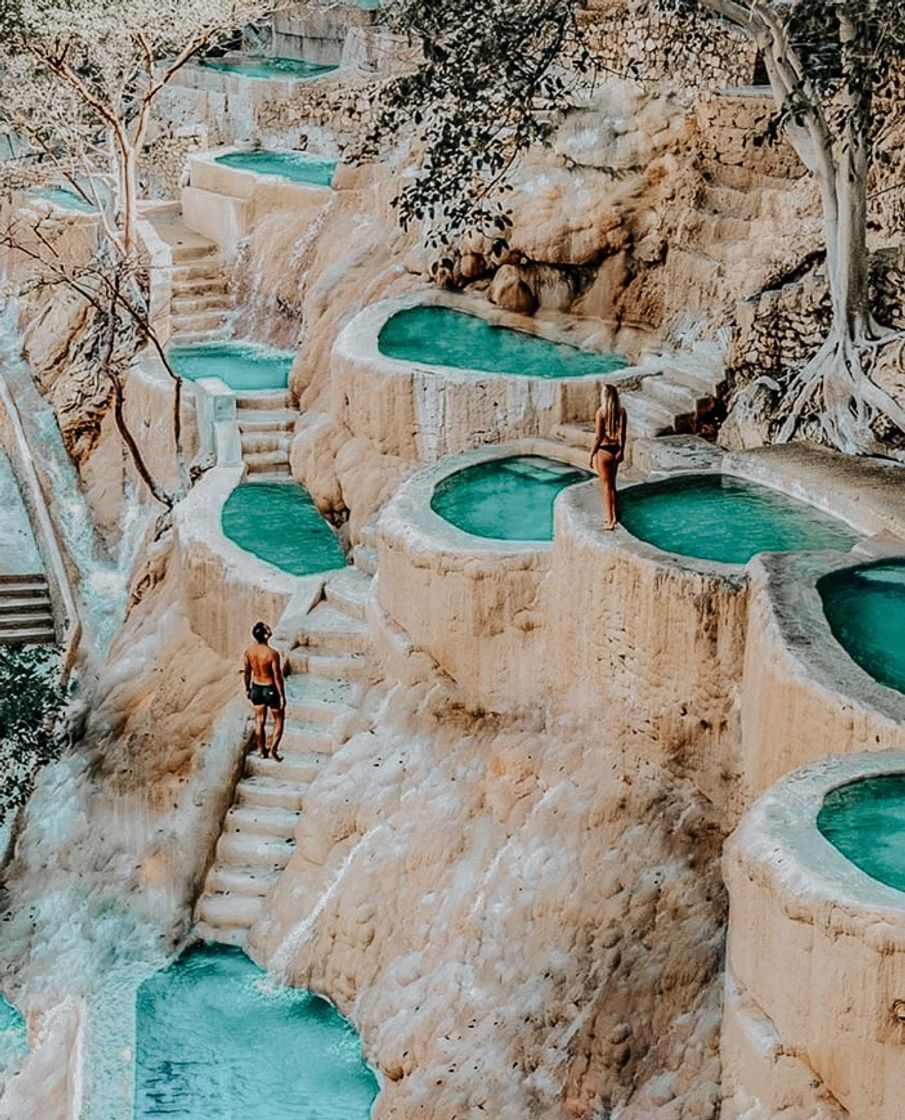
(609, 450)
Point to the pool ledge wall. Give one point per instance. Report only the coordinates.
(225, 203)
(816, 955)
(728, 673)
(448, 590)
(226, 589)
(420, 412)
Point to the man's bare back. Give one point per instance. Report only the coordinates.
(264, 663)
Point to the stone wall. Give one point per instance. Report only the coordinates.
(637, 40)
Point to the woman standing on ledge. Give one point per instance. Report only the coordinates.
(609, 450)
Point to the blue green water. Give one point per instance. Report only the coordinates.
(865, 608)
(241, 365)
(65, 198)
(865, 820)
(283, 163)
(294, 69)
(505, 499)
(278, 522)
(718, 517)
(217, 1039)
(13, 1037)
(443, 336)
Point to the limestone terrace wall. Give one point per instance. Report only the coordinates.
(421, 412)
(817, 946)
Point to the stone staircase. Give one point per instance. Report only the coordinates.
(201, 303)
(266, 425)
(326, 670)
(26, 614)
(674, 397)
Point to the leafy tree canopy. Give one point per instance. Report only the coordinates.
(32, 726)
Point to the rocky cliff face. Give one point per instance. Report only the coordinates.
(521, 922)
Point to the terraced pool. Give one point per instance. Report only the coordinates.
(278, 522)
(217, 1039)
(444, 336)
(865, 607)
(64, 197)
(292, 69)
(865, 820)
(719, 517)
(244, 366)
(283, 163)
(505, 499)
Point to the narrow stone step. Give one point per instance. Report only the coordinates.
(262, 821)
(195, 303)
(645, 416)
(263, 442)
(187, 272)
(234, 935)
(26, 621)
(263, 850)
(14, 584)
(298, 768)
(336, 666)
(196, 322)
(327, 628)
(305, 737)
(40, 636)
(317, 699)
(701, 380)
(266, 420)
(349, 591)
(251, 880)
(575, 435)
(188, 338)
(199, 280)
(38, 603)
(256, 464)
(230, 911)
(268, 793)
(267, 399)
(365, 559)
(276, 474)
(679, 399)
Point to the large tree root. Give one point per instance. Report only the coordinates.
(835, 390)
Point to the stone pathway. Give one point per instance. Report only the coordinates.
(26, 615)
(326, 670)
(201, 304)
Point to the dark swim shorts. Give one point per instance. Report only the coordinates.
(266, 694)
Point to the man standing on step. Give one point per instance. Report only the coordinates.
(265, 689)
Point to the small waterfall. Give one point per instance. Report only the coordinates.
(103, 581)
(299, 934)
(270, 274)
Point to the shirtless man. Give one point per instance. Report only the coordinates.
(265, 689)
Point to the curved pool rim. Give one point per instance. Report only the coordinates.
(410, 511)
(441, 490)
(732, 469)
(781, 829)
(195, 944)
(298, 497)
(360, 339)
(838, 573)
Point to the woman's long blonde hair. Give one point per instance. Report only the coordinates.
(611, 410)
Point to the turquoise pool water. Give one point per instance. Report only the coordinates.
(65, 198)
(865, 820)
(718, 517)
(242, 365)
(278, 522)
(505, 499)
(283, 163)
(13, 1037)
(294, 69)
(865, 608)
(443, 336)
(217, 1039)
